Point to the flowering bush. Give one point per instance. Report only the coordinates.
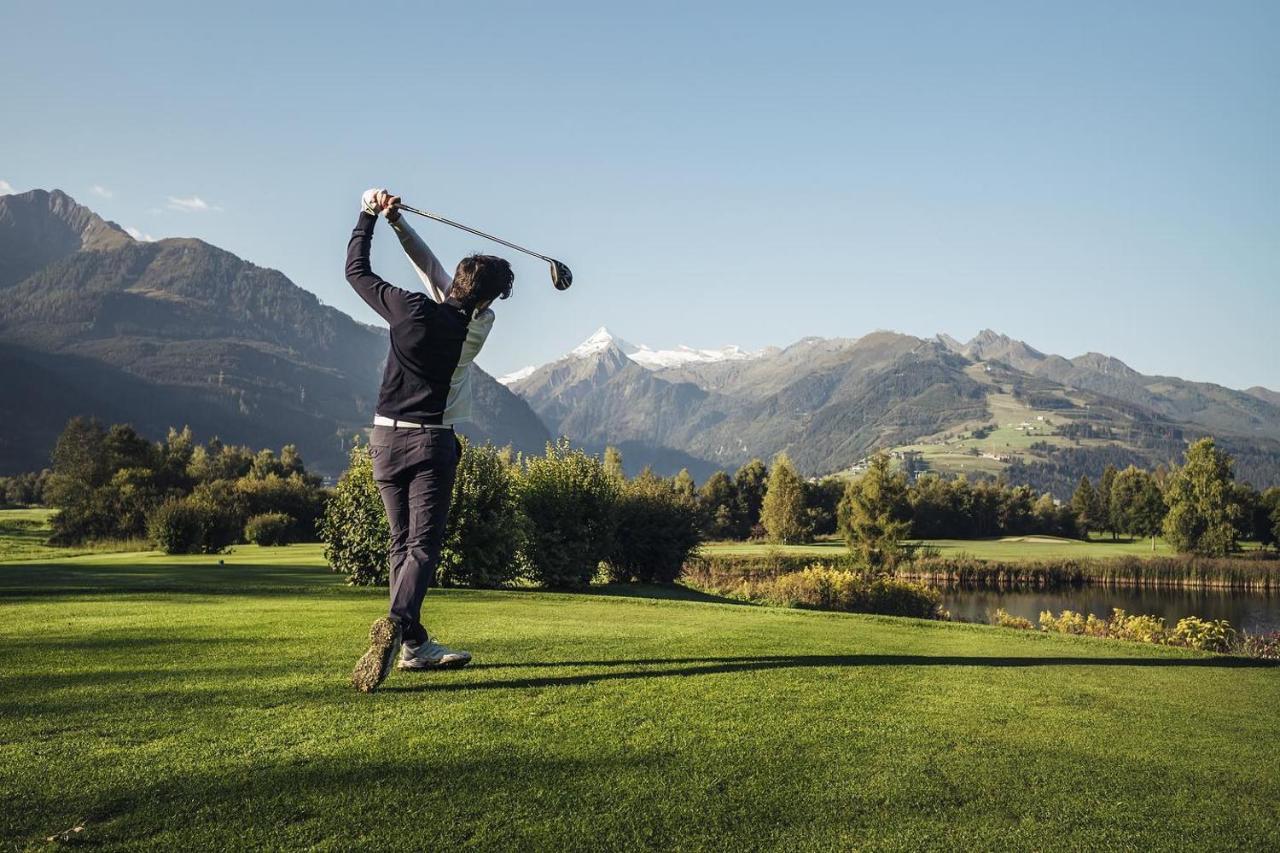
(1215, 635)
(823, 587)
(1139, 629)
(1004, 619)
(1205, 635)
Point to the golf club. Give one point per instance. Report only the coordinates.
(561, 275)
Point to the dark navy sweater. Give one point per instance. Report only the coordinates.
(426, 337)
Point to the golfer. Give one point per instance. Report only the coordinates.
(426, 389)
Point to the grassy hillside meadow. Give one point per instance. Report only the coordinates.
(202, 702)
(1017, 427)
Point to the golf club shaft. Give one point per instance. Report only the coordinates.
(438, 218)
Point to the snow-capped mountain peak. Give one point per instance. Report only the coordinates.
(599, 341)
(602, 340)
(656, 359)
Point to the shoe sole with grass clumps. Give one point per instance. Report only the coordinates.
(384, 645)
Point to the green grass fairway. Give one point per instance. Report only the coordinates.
(24, 532)
(174, 703)
(1008, 548)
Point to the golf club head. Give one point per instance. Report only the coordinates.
(561, 276)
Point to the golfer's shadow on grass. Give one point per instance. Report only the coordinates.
(716, 666)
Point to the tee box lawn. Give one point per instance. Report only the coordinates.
(155, 702)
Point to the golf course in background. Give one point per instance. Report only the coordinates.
(202, 702)
(1007, 549)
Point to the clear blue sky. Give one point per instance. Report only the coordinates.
(1085, 176)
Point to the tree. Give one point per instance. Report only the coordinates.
(821, 501)
(571, 504)
(717, 504)
(1269, 534)
(1137, 505)
(1106, 522)
(873, 514)
(1252, 514)
(174, 459)
(1084, 503)
(684, 484)
(1045, 513)
(23, 489)
(613, 464)
(1202, 503)
(943, 509)
(1015, 514)
(134, 495)
(783, 510)
(657, 530)
(76, 486)
(124, 448)
(750, 484)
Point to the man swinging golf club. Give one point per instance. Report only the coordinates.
(426, 389)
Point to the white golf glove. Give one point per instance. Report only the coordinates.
(369, 201)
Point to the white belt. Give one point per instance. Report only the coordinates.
(379, 420)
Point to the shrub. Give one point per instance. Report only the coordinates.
(570, 502)
(726, 570)
(194, 524)
(486, 524)
(1215, 635)
(1004, 619)
(1265, 646)
(1068, 622)
(354, 527)
(294, 495)
(657, 530)
(892, 597)
(270, 528)
(1140, 629)
(820, 587)
(823, 587)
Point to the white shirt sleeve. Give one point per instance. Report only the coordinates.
(434, 277)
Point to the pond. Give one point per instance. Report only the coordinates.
(1253, 612)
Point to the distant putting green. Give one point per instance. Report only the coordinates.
(157, 703)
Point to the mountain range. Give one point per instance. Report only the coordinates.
(176, 331)
(991, 406)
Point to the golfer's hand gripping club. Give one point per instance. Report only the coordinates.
(561, 275)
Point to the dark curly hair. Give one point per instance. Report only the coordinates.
(481, 278)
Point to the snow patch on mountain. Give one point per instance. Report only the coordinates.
(657, 359)
(517, 375)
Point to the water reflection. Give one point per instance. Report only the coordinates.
(1253, 612)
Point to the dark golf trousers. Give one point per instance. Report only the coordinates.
(414, 470)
